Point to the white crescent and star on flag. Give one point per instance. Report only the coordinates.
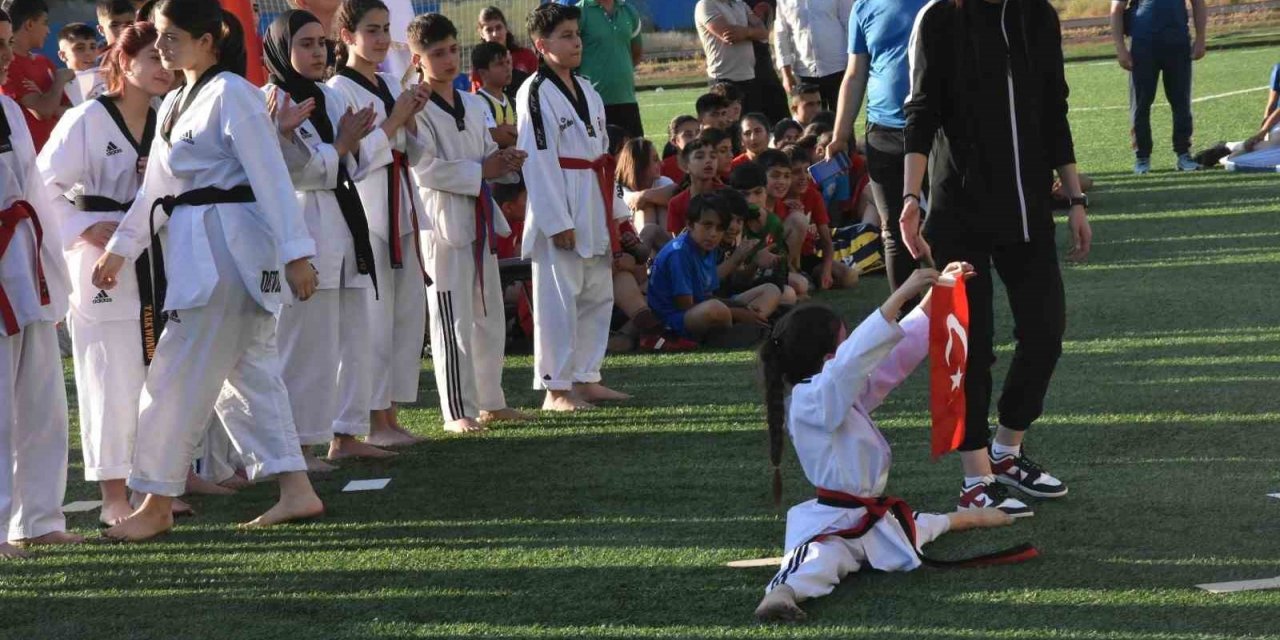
(956, 330)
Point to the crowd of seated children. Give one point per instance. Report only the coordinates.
(681, 130)
(645, 191)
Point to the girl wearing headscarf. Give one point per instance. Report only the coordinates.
(328, 146)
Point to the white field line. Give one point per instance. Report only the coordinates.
(1215, 96)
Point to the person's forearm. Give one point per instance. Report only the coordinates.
(828, 248)
(1070, 180)
(852, 91)
(1117, 25)
(1201, 19)
(46, 105)
(637, 53)
(913, 173)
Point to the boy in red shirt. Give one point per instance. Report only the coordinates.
(681, 130)
(33, 81)
(701, 161)
(804, 211)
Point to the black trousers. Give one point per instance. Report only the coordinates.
(1033, 282)
(750, 93)
(828, 87)
(627, 116)
(886, 149)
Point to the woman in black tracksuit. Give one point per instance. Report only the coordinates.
(989, 99)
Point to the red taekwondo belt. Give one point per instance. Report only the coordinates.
(485, 236)
(9, 220)
(397, 175)
(878, 508)
(604, 168)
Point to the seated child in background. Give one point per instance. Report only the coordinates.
(754, 131)
(835, 379)
(78, 49)
(700, 160)
(785, 132)
(491, 65)
(809, 227)
(685, 275)
(766, 257)
(724, 152)
(713, 111)
(681, 130)
(511, 200)
(733, 115)
(806, 102)
(645, 190)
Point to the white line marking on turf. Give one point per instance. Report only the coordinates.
(366, 485)
(80, 506)
(1215, 96)
(1241, 585)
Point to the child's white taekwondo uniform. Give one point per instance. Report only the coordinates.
(396, 220)
(325, 341)
(34, 287)
(216, 176)
(94, 160)
(569, 176)
(468, 323)
(846, 457)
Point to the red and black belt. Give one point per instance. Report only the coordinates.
(486, 237)
(9, 220)
(397, 177)
(877, 508)
(604, 167)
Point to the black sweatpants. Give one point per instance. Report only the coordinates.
(886, 149)
(627, 116)
(1033, 281)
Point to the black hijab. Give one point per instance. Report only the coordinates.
(280, 72)
(278, 46)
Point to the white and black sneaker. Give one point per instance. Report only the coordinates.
(989, 494)
(1019, 472)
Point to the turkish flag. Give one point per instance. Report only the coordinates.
(247, 12)
(948, 363)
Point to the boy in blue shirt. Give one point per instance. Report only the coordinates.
(687, 272)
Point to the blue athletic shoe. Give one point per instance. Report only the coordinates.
(1142, 166)
(1186, 163)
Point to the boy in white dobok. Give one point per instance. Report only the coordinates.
(571, 226)
(468, 324)
(34, 289)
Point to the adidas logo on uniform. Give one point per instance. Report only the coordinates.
(112, 149)
(305, 134)
(188, 138)
(101, 297)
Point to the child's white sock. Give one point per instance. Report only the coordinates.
(972, 481)
(999, 450)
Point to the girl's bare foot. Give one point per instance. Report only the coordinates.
(198, 485)
(389, 437)
(978, 519)
(51, 538)
(506, 414)
(181, 509)
(393, 420)
(287, 510)
(780, 605)
(314, 464)
(349, 447)
(153, 518)
(564, 401)
(596, 392)
(10, 552)
(115, 511)
(465, 425)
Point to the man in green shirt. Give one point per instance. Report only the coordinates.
(612, 48)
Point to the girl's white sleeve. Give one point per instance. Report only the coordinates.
(901, 361)
(829, 395)
(252, 138)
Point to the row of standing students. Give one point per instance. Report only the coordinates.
(304, 235)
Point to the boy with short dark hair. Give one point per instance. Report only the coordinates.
(763, 236)
(806, 102)
(114, 16)
(700, 162)
(712, 110)
(511, 199)
(571, 228)
(733, 94)
(78, 49)
(804, 212)
(491, 64)
(33, 81)
(464, 299)
(685, 275)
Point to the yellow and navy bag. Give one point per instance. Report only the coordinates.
(859, 246)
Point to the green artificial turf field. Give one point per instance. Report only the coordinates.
(1162, 418)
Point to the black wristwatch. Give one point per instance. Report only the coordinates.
(1081, 200)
